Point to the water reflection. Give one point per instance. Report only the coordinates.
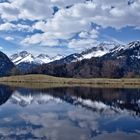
(69, 114)
(4, 97)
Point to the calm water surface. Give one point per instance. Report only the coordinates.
(69, 114)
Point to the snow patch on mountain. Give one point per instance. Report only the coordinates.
(98, 53)
(132, 49)
(29, 58)
(25, 57)
(99, 50)
(42, 59)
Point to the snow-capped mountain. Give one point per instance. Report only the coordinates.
(96, 51)
(121, 61)
(25, 57)
(131, 50)
(26, 61)
(57, 57)
(42, 59)
(22, 57)
(126, 57)
(100, 50)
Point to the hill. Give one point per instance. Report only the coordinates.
(5, 65)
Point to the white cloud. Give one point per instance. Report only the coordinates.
(40, 25)
(26, 9)
(15, 27)
(63, 22)
(41, 39)
(31, 9)
(86, 40)
(64, 3)
(64, 25)
(35, 39)
(68, 22)
(6, 26)
(22, 27)
(8, 11)
(105, 13)
(81, 44)
(9, 38)
(93, 34)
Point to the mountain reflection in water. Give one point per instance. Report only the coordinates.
(76, 113)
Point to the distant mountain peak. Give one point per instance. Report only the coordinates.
(23, 53)
(20, 57)
(96, 51)
(42, 56)
(130, 45)
(100, 49)
(58, 57)
(26, 57)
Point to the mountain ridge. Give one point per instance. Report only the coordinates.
(26, 57)
(96, 51)
(123, 61)
(25, 61)
(106, 60)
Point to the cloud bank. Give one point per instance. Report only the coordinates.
(75, 24)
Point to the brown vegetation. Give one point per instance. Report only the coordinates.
(48, 81)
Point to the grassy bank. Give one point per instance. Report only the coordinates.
(43, 81)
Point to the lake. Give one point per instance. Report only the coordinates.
(70, 113)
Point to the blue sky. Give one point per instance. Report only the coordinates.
(64, 27)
